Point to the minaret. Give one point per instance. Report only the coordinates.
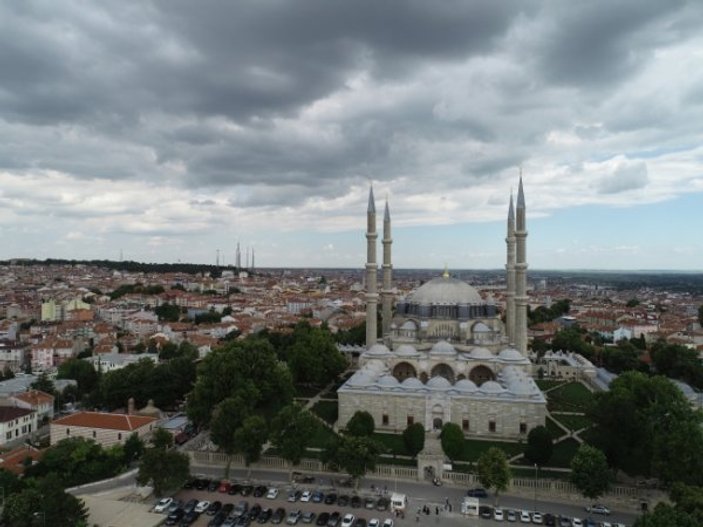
(510, 276)
(387, 292)
(252, 259)
(238, 257)
(520, 331)
(371, 272)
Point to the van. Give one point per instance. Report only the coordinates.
(398, 502)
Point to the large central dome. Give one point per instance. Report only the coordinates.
(445, 290)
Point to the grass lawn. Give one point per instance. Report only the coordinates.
(393, 442)
(572, 397)
(554, 429)
(563, 452)
(306, 391)
(322, 436)
(327, 410)
(546, 384)
(573, 422)
(543, 473)
(473, 448)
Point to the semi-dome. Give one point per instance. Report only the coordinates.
(406, 350)
(438, 383)
(465, 385)
(412, 382)
(443, 348)
(378, 350)
(521, 386)
(480, 327)
(510, 354)
(491, 387)
(387, 380)
(360, 379)
(445, 290)
(481, 354)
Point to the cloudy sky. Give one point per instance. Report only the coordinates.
(171, 129)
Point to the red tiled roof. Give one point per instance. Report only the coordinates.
(14, 459)
(105, 420)
(8, 413)
(34, 397)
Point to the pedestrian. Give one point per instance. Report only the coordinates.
(417, 518)
(436, 511)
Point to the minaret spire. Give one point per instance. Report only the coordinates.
(238, 257)
(520, 329)
(371, 272)
(510, 275)
(387, 291)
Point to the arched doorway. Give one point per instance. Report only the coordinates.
(443, 370)
(424, 377)
(437, 423)
(437, 417)
(403, 370)
(481, 374)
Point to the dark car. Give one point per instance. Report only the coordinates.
(234, 488)
(382, 504)
(240, 508)
(190, 484)
(317, 497)
(343, 500)
(264, 515)
(254, 512)
(260, 491)
(278, 515)
(477, 493)
(213, 485)
(331, 499)
(323, 518)
(227, 508)
(217, 520)
(175, 517)
(564, 521)
(214, 508)
(550, 520)
(369, 503)
(335, 517)
(247, 490)
(243, 521)
(360, 522)
(190, 518)
(485, 512)
(202, 484)
(356, 502)
(189, 506)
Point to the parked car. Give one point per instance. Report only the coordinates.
(175, 517)
(234, 489)
(348, 520)
(190, 505)
(227, 508)
(343, 500)
(260, 491)
(373, 522)
(202, 506)
(294, 495)
(214, 508)
(550, 520)
(323, 518)
(246, 490)
(240, 508)
(598, 509)
(318, 497)
(254, 512)
(224, 486)
(360, 522)
(537, 518)
(334, 519)
(511, 515)
(175, 504)
(477, 493)
(272, 493)
(498, 515)
(564, 521)
(388, 523)
(293, 517)
(190, 484)
(382, 504)
(306, 496)
(355, 502)
(576, 522)
(331, 499)
(264, 515)
(243, 521)
(190, 518)
(213, 485)
(369, 503)
(525, 517)
(163, 504)
(278, 515)
(202, 484)
(485, 512)
(217, 520)
(308, 517)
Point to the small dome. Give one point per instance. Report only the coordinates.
(480, 327)
(438, 383)
(409, 324)
(387, 380)
(406, 350)
(445, 290)
(491, 387)
(360, 379)
(521, 387)
(443, 348)
(412, 382)
(510, 354)
(465, 385)
(378, 350)
(481, 354)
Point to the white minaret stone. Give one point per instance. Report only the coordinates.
(371, 273)
(238, 257)
(510, 276)
(387, 292)
(520, 332)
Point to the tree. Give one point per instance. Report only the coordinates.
(632, 302)
(539, 446)
(168, 312)
(161, 439)
(355, 455)
(590, 472)
(7, 373)
(313, 356)
(452, 439)
(133, 447)
(227, 419)
(250, 438)
(82, 372)
(163, 469)
(414, 439)
(291, 432)
(493, 470)
(45, 497)
(700, 314)
(361, 424)
(44, 384)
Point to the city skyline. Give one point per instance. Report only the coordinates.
(169, 131)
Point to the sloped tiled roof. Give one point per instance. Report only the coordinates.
(105, 420)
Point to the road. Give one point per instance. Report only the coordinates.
(419, 494)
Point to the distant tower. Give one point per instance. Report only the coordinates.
(371, 272)
(387, 292)
(238, 257)
(520, 330)
(252, 259)
(217, 258)
(247, 257)
(510, 276)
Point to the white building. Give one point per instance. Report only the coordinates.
(104, 428)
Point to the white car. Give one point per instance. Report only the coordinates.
(163, 504)
(388, 523)
(373, 522)
(348, 520)
(525, 517)
(202, 506)
(598, 509)
(576, 522)
(305, 496)
(498, 515)
(537, 518)
(272, 493)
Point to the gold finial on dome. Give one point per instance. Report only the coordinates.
(445, 274)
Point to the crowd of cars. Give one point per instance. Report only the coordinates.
(241, 513)
(539, 518)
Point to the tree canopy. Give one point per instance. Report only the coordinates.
(82, 372)
(163, 469)
(452, 439)
(291, 432)
(312, 355)
(355, 455)
(493, 470)
(539, 446)
(361, 424)
(414, 438)
(590, 472)
(250, 438)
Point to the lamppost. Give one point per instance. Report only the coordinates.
(534, 505)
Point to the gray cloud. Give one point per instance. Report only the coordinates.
(625, 177)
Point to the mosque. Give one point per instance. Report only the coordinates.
(446, 355)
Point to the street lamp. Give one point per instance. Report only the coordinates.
(534, 505)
